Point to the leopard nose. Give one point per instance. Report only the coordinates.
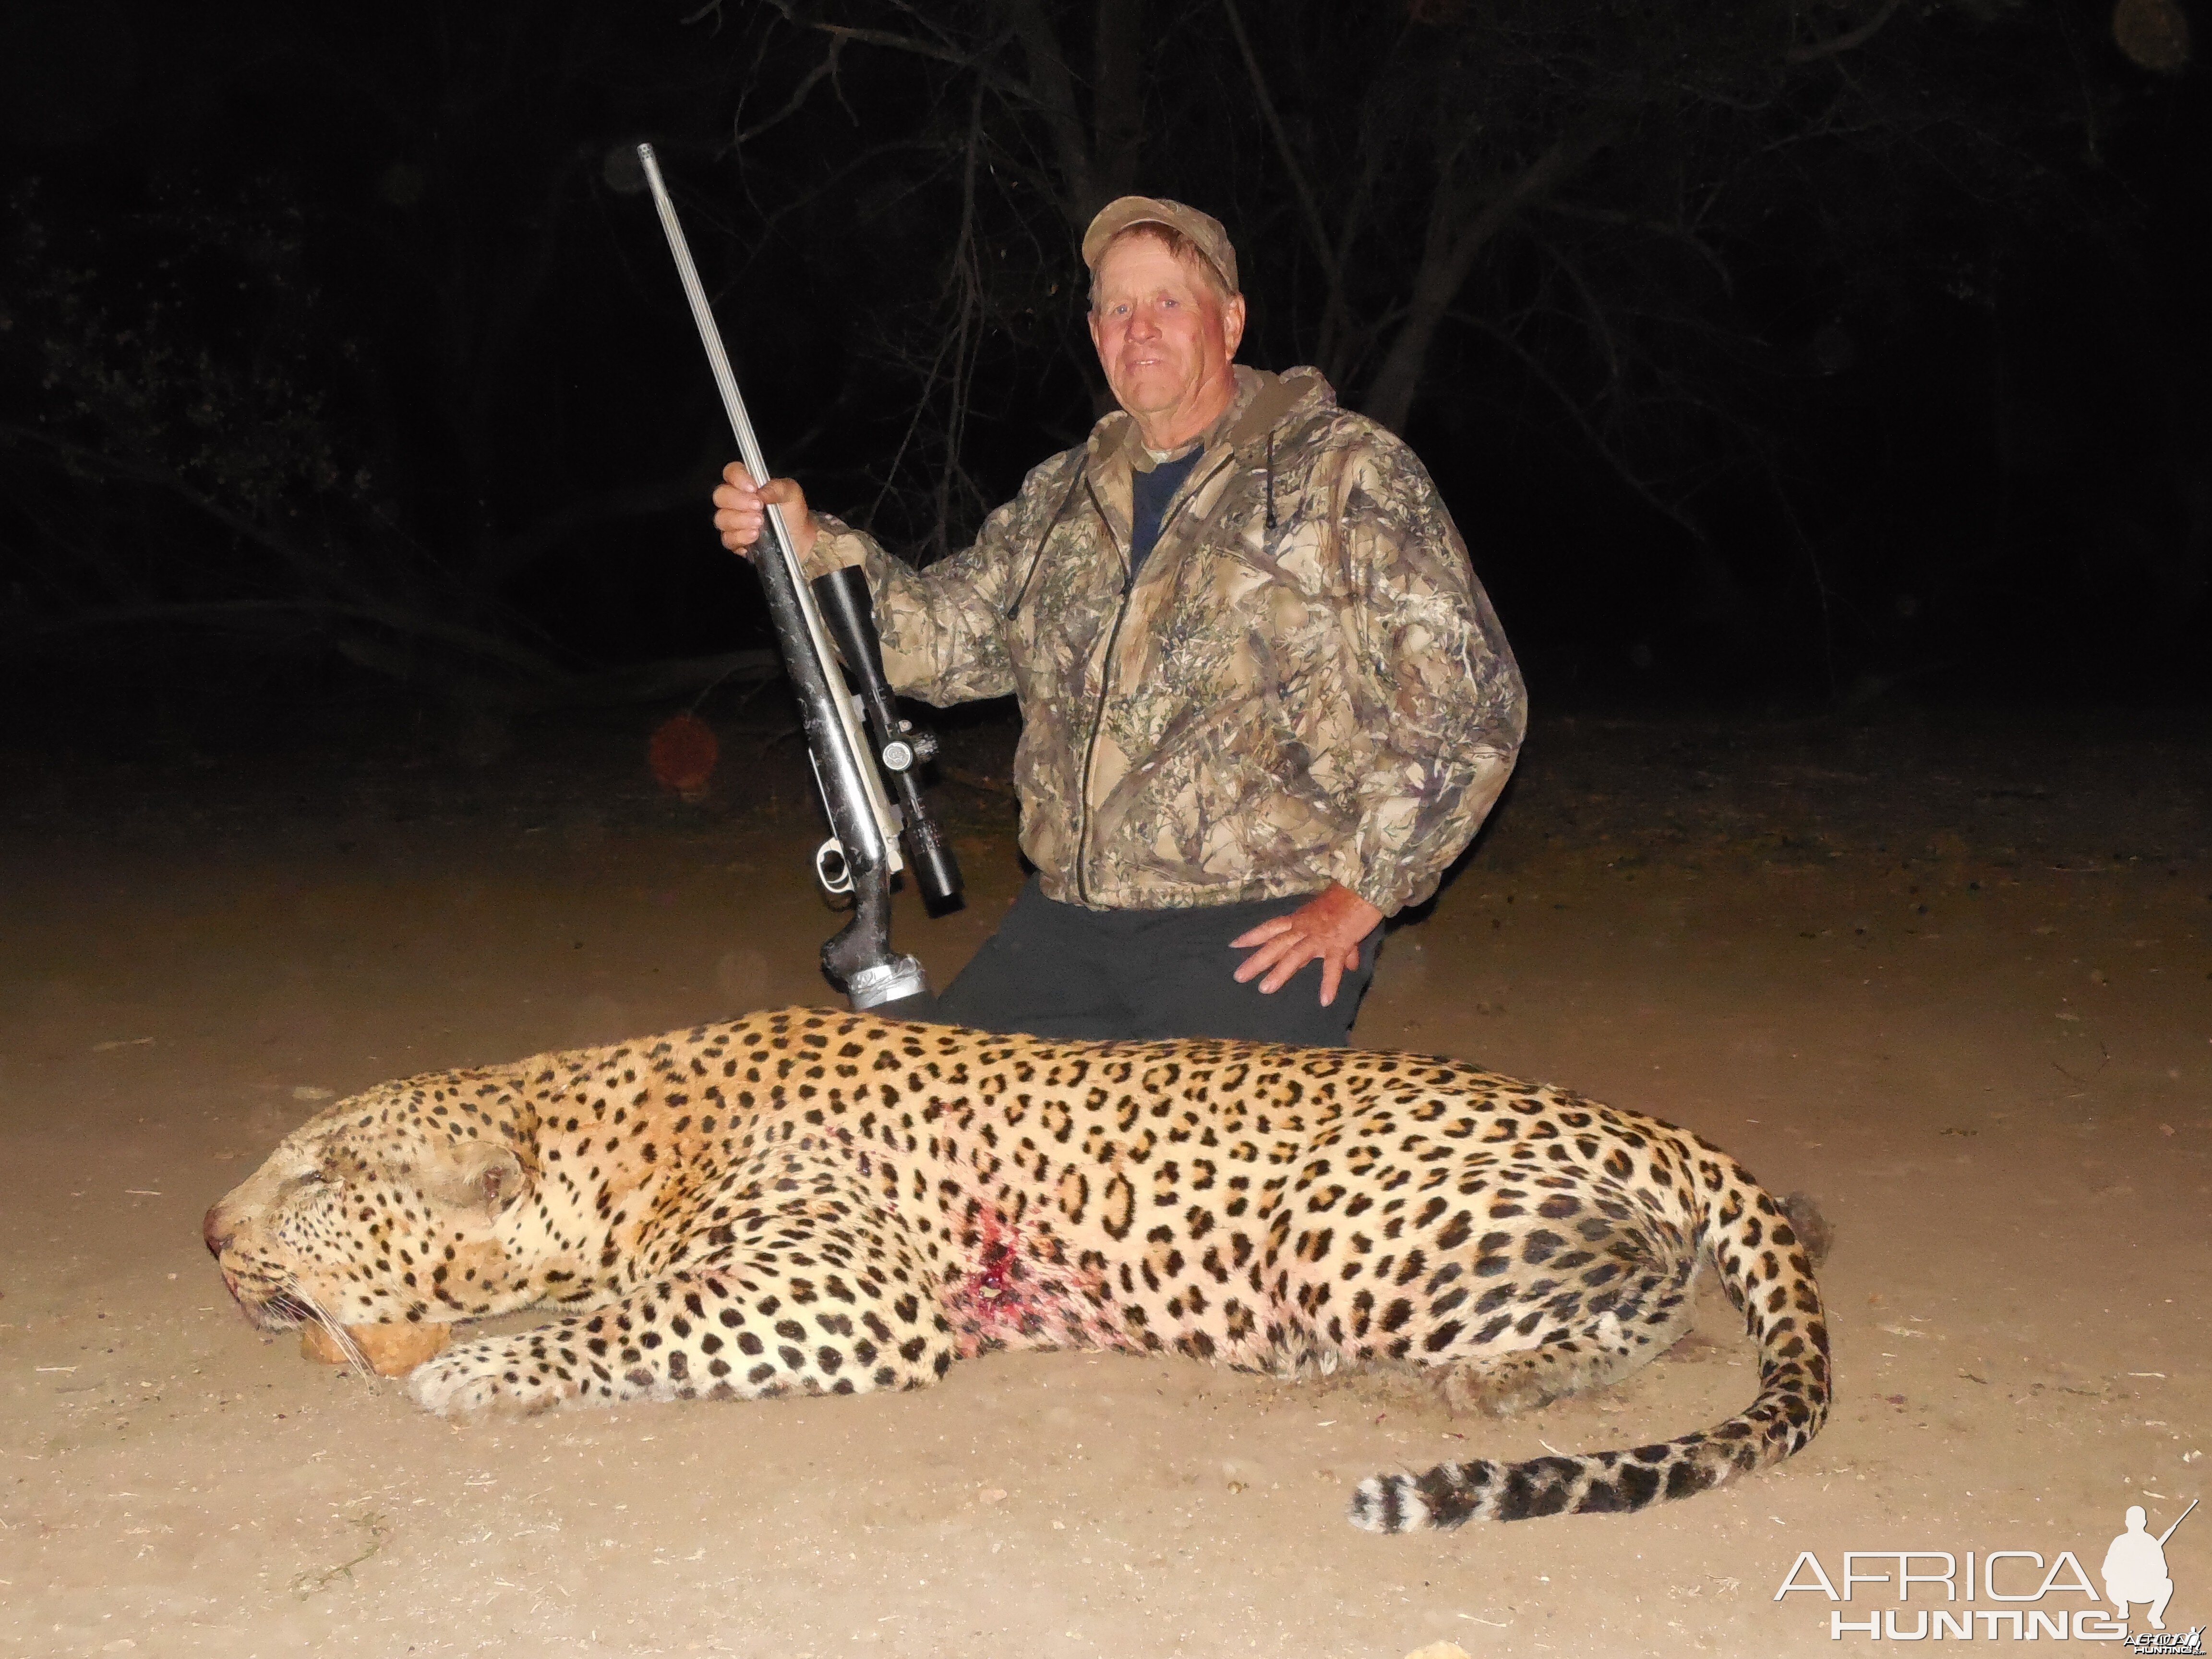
(215, 1231)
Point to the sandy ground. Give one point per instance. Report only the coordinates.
(1952, 978)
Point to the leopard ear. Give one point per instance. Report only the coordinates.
(489, 1175)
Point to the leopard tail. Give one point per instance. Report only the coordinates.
(1763, 1268)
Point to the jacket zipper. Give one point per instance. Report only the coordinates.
(1106, 668)
(1037, 558)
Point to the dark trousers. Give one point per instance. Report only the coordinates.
(1061, 971)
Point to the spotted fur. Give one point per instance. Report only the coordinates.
(806, 1201)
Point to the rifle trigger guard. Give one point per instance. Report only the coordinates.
(831, 867)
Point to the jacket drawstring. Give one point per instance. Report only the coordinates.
(1270, 478)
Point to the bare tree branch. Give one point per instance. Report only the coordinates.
(1457, 238)
(1117, 96)
(827, 68)
(1310, 208)
(1714, 571)
(1673, 233)
(1052, 88)
(98, 463)
(905, 43)
(1849, 40)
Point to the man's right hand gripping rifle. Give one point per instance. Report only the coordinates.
(740, 514)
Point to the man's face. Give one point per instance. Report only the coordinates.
(1165, 339)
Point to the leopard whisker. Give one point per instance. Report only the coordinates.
(356, 1361)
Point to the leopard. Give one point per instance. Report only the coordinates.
(806, 1201)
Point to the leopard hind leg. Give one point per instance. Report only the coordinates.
(1587, 1336)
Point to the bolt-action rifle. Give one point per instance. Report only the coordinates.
(856, 770)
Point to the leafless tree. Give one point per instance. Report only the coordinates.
(1593, 191)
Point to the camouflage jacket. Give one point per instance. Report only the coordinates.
(1305, 683)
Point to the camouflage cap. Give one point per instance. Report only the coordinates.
(1203, 229)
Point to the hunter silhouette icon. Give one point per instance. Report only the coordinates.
(2134, 1566)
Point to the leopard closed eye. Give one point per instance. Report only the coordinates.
(809, 1202)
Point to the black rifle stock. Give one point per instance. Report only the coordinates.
(862, 853)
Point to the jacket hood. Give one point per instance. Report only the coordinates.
(1266, 402)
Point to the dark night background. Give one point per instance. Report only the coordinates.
(1773, 356)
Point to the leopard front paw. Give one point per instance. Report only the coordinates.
(478, 1377)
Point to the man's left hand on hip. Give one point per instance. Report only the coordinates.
(1328, 927)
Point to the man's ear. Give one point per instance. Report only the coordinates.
(486, 1175)
(1233, 322)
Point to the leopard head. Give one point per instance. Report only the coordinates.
(380, 1211)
